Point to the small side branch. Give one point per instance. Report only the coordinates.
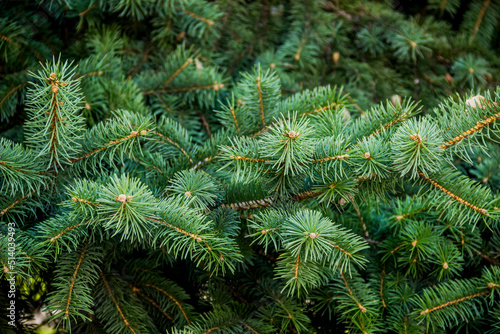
(133, 134)
(238, 157)
(176, 73)
(361, 307)
(116, 303)
(256, 204)
(297, 266)
(479, 125)
(171, 297)
(235, 120)
(4, 211)
(479, 19)
(12, 91)
(64, 232)
(435, 308)
(177, 146)
(455, 197)
(261, 102)
(198, 17)
(73, 280)
(191, 235)
(382, 274)
(336, 157)
(136, 290)
(216, 86)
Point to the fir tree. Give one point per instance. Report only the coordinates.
(166, 181)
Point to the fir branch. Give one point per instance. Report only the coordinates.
(297, 266)
(382, 274)
(168, 139)
(234, 118)
(112, 143)
(116, 303)
(480, 16)
(306, 195)
(145, 165)
(53, 239)
(175, 228)
(299, 49)
(12, 91)
(451, 302)
(337, 157)
(304, 114)
(361, 307)
(55, 124)
(260, 101)
(471, 131)
(340, 249)
(73, 279)
(86, 11)
(455, 197)
(88, 74)
(5, 38)
(237, 157)
(255, 204)
(179, 305)
(216, 86)
(136, 290)
(198, 17)
(19, 200)
(176, 73)
(75, 275)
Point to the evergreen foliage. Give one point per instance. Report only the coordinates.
(192, 171)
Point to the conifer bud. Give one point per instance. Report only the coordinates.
(197, 62)
(272, 65)
(342, 202)
(133, 133)
(122, 198)
(367, 155)
(55, 89)
(292, 134)
(416, 137)
(471, 70)
(414, 243)
(445, 265)
(87, 106)
(396, 100)
(413, 44)
(476, 101)
(187, 193)
(312, 235)
(336, 57)
(398, 218)
(143, 132)
(53, 75)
